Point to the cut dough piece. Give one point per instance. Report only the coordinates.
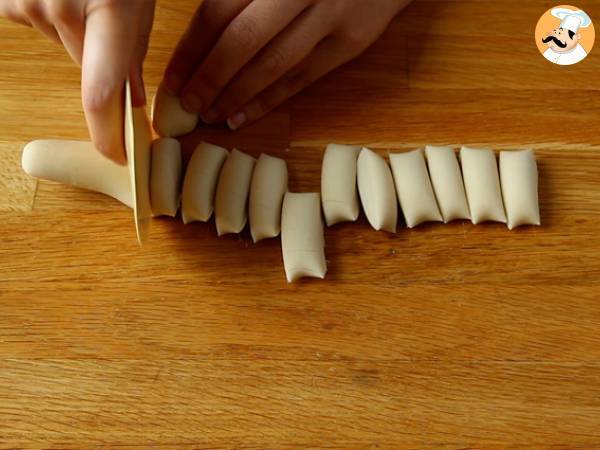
(519, 176)
(302, 237)
(338, 184)
(482, 183)
(269, 185)
(231, 203)
(78, 164)
(377, 192)
(200, 182)
(413, 187)
(169, 119)
(447, 182)
(165, 177)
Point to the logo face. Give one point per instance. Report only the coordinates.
(565, 35)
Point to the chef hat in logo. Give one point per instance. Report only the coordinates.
(572, 20)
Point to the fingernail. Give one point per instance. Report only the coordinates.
(103, 149)
(237, 120)
(118, 158)
(209, 116)
(192, 103)
(121, 161)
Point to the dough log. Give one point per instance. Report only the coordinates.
(338, 184)
(519, 177)
(165, 177)
(482, 183)
(377, 192)
(269, 185)
(169, 119)
(302, 237)
(447, 182)
(200, 182)
(231, 203)
(413, 187)
(78, 164)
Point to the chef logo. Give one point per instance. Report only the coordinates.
(565, 35)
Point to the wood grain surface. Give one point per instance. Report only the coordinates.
(445, 336)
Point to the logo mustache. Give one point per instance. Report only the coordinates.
(556, 41)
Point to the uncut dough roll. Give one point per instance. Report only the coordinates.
(377, 191)
(165, 177)
(269, 185)
(519, 178)
(447, 183)
(302, 237)
(78, 164)
(413, 187)
(200, 183)
(338, 184)
(231, 201)
(482, 184)
(169, 119)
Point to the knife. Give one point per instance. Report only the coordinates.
(138, 141)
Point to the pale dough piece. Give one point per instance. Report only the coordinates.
(338, 184)
(302, 237)
(165, 177)
(413, 187)
(231, 202)
(482, 184)
(269, 185)
(377, 192)
(200, 182)
(78, 164)
(169, 118)
(519, 177)
(447, 182)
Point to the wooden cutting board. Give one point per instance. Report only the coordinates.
(446, 336)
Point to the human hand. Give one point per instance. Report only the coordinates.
(109, 40)
(239, 59)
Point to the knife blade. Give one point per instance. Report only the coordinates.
(138, 141)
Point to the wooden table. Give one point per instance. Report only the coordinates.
(447, 336)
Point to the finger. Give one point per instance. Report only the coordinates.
(72, 40)
(245, 36)
(327, 56)
(138, 92)
(208, 23)
(46, 29)
(107, 52)
(285, 52)
(69, 21)
(36, 15)
(9, 10)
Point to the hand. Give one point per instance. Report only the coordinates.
(109, 40)
(239, 59)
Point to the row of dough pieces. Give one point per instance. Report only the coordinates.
(236, 186)
(429, 186)
(432, 191)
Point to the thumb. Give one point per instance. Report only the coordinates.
(107, 57)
